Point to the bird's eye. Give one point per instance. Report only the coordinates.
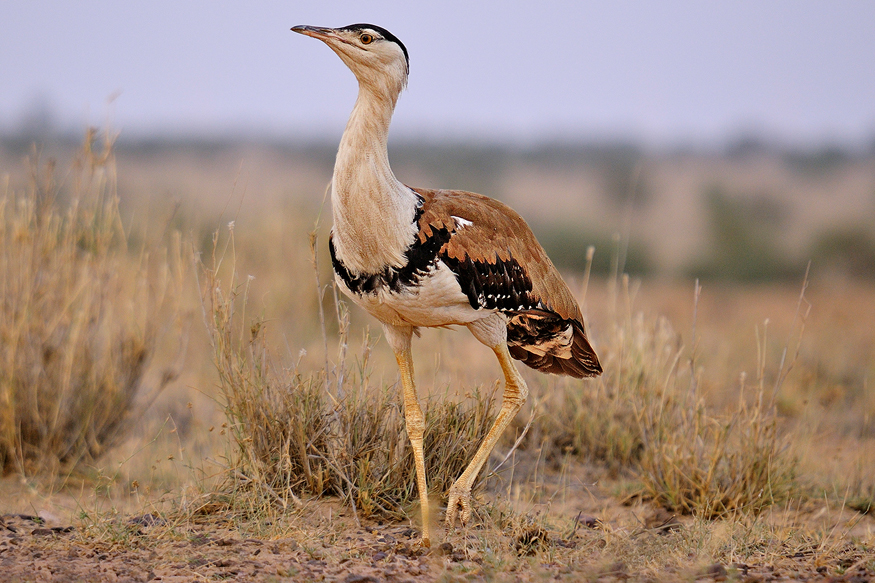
(366, 39)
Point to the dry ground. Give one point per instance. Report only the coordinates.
(538, 520)
(569, 526)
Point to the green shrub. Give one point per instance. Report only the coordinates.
(745, 235)
(849, 251)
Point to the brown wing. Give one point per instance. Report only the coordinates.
(500, 265)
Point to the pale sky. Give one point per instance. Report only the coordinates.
(662, 72)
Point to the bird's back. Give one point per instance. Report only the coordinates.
(500, 266)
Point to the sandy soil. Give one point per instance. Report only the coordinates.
(581, 533)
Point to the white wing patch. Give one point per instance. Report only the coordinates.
(460, 222)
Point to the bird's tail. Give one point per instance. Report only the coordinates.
(548, 343)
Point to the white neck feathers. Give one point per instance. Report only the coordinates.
(373, 211)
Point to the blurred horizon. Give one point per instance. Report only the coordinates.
(37, 132)
(680, 74)
(750, 212)
(733, 141)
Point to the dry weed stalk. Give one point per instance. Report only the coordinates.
(644, 413)
(606, 419)
(325, 433)
(79, 315)
(697, 462)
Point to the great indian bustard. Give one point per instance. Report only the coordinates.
(413, 257)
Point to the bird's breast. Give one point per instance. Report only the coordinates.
(418, 260)
(436, 300)
(422, 292)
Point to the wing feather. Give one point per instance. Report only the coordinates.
(500, 265)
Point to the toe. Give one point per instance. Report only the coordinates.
(466, 510)
(458, 500)
(452, 510)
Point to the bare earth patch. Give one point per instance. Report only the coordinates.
(560, 529)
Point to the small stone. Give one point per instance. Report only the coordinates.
(716, 572)
(445, 549)
(617, 569)
(592, 522)
(147, 520)
(588, 521)
(199, 540)
(42, 532)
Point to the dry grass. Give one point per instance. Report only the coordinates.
(646, 418)
(607, 420)
(328, 433)
(316, 464)
(79, 317)
(712, 464)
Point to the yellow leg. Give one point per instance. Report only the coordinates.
(515, 394)
(415, 429)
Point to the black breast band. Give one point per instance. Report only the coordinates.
(421, 258)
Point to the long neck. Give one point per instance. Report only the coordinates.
(373, 211)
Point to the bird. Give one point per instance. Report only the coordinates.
(418, 258)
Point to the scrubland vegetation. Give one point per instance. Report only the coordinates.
(179, 372)
(81, 314)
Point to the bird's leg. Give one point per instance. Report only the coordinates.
(515, 394)
(415, 422)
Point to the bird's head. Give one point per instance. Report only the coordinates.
(377, 58)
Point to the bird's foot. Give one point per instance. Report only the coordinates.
(459, 499)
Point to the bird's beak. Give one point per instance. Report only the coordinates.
(315, 31)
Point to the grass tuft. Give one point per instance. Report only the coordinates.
(79, 316)
(607, 420)
(331, 432)
(643, 416)
(715, 466)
